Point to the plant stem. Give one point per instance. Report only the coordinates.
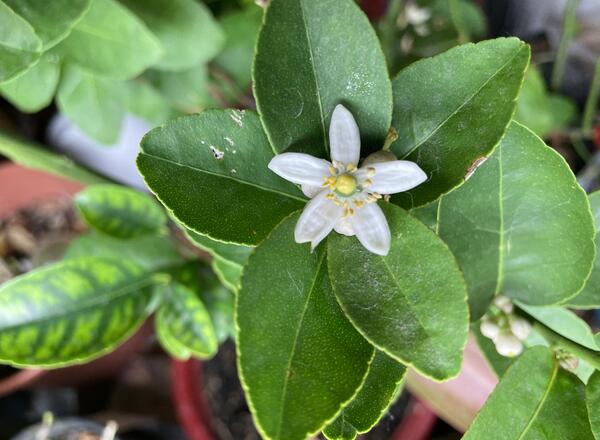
(568, 31)
(455, 15)
(590, 356)
(591, 104)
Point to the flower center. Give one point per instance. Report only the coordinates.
(345, 185)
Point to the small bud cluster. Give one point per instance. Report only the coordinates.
(507, 330)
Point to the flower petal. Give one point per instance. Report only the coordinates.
(317, 220)
(344, 137)
(344, 227)
(300, 168)
(395, 176)
(371, 228)
(311, 191)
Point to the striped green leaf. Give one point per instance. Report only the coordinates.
(378, 392)
(119, 211)
(183, 324)
(72, 311)
(150, 252)
(217, 298)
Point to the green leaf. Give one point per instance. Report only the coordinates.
(377, 394)
(225, 251)
(241, 31)
(35, 157)
(149, 252)
(51, 20)
(536, 399)
(120, 211)
(299, 358)
(185, 28)
(219, 301)
(521, 226)
(186, 90)
(589, 297)
(563, 322)
(95, 104)
(182, 317)
(452, 109)
(111, 41)
(311, 56)
(19, 45)
(410, 304)
(147, 103)
(35, 88)
(592, 399)
(229, 273)
(71, 312)
(427, 214)
(210, 170)
(539, 110)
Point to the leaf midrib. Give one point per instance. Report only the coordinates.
(314, 71)
(224, 176)
(295, 343)
(541, 403)
(95, 302)
(461, 106)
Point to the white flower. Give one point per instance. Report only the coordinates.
(519, 327)
(508, 344)
(504, 304)
(489, 329)
(344, 196)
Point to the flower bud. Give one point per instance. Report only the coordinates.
(569, 363)
(519, 327)
(378, 157)
(503, 303)
(508, 344)
(489, 329)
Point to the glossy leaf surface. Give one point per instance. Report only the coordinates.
(589, 297)
(520, 226)
(411, 303)
(531, 395)
(210, 170)
(453, 108)
(311, 56)
(302, 360)
(377, 394)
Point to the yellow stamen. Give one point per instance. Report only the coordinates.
(332, 170)
(351, 167)
(367, 182)
(370, 172)
(358, 203)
